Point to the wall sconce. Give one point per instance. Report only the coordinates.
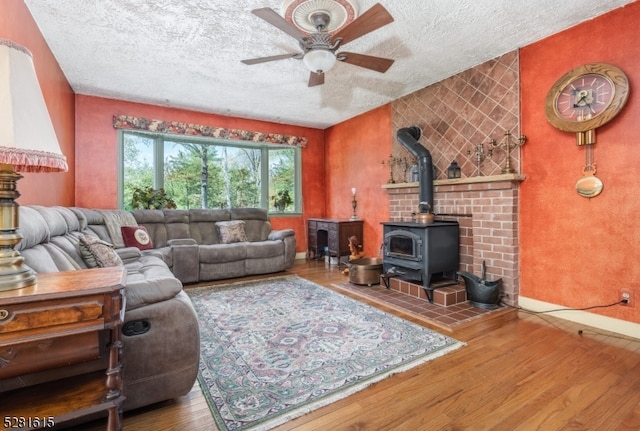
(28, 143)
(453, 171)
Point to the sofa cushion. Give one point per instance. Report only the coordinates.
(153, 221)
(149, 281)
(256, 222)
(223, 253)
(164, 225)
(33, 228)
(136, 236)
(202, 223)
(48, 257)
(264, 249)
(98, 253)
(231, 231)
(257, 230)
(177, 224)
(70, 244)
(54, 220)
(95, 223)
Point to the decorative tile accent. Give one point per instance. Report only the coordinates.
(459, 112)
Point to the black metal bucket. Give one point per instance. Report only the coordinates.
(481, 293)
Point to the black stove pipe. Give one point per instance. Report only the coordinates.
(408, 137)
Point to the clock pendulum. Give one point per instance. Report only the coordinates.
(589, 185)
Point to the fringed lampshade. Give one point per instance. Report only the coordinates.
(28, 143)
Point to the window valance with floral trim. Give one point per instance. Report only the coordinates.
(180, 128)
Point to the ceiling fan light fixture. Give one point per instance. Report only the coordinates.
(319, 60)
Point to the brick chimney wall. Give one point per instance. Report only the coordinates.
(456, 114)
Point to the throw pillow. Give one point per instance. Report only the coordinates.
(231, 231)
(98, 253)
(136, 236)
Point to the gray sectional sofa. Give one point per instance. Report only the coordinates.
(189, 241)
(161, 343)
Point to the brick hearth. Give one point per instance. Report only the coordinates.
(443, 296)
(450, 317)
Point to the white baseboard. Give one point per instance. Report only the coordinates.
(301, 255)
(611, 324)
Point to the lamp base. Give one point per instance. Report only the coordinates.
(14, 274)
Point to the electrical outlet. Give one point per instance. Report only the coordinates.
(625, 296)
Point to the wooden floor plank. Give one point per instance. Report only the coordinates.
(534, 372)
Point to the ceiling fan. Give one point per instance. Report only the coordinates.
(319, 48)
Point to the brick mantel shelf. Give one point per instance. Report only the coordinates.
(487, 209)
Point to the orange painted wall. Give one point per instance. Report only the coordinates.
(575, 251)
(355, 150)
(96, 155)
(16, 24)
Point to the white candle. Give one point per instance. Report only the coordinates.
(353, 190)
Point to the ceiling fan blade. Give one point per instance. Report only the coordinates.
(316, 79)
(378, 64)
(270, 58)
(374, 18)
(273, 18)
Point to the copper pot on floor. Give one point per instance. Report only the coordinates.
(365, 271)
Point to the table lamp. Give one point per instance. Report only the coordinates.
(28, 143)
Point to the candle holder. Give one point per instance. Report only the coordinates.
(391, 162)
(507, 145)
(354, 204)
(405, 168)
(480, 155)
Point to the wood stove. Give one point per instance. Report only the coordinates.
(426, 253)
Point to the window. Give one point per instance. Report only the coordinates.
(210, 173)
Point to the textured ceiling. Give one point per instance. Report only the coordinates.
(187, 53)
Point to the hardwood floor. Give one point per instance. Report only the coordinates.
(534, 372)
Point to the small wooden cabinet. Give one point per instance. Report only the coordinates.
(333, 234)
(60, 349)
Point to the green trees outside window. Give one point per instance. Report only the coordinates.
(207, 173)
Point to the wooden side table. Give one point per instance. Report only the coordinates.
(333, 234)
(60, 349)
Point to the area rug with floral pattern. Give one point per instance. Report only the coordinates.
(275, 349)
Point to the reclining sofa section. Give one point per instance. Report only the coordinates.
(190, 243)
(161, 354)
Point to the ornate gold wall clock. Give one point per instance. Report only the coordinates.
(582, 100)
